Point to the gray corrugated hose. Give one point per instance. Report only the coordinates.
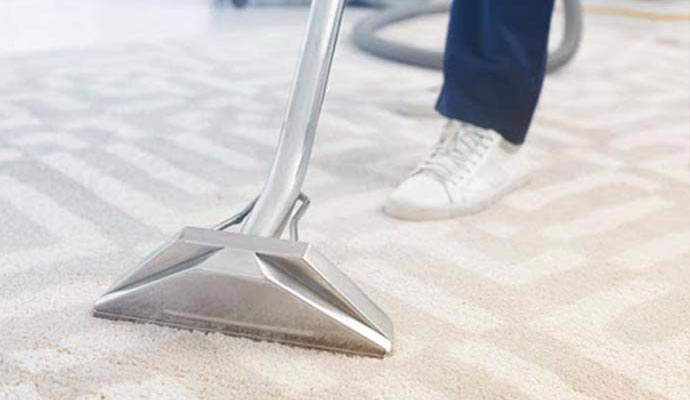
(366, 38)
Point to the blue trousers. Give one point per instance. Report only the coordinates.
(495, 62)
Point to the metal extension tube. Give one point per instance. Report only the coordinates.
(284, 183)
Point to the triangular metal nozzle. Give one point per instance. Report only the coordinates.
(262, 288)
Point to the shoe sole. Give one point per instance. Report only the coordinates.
(430, 214)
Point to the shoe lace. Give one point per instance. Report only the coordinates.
(457, 152)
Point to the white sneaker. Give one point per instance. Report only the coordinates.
(468, 169)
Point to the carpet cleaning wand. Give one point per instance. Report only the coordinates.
(254, 283)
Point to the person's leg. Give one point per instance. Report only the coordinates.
(494, 69)
(494, 63)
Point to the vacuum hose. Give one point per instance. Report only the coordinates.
(366, 38)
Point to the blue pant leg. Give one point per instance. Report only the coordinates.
(494, 63)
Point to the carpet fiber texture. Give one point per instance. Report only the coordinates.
(576, 287)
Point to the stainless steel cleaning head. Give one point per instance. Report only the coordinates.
(253, 283)
(262, 288)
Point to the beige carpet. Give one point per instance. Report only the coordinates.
(577, 287)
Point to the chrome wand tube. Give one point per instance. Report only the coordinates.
(284, 183)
